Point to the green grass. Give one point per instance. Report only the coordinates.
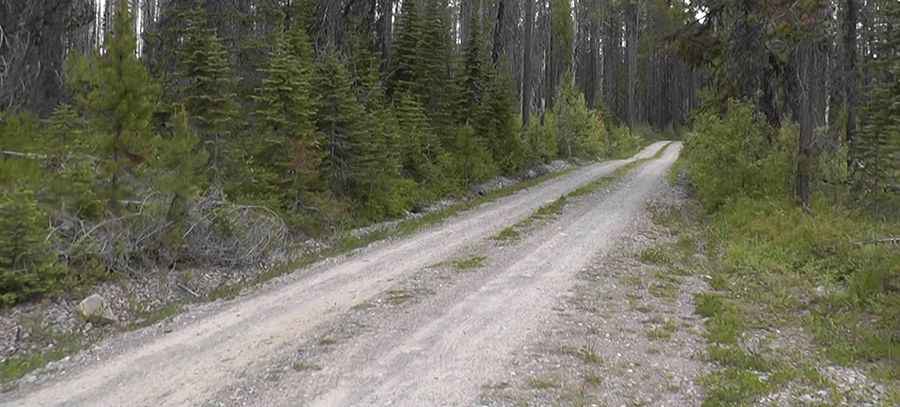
(469, 263)
(663, 332)
(767, 263)
(589, 353)
(18, 366)
(543, 383)
(151, 317)
(508, 234)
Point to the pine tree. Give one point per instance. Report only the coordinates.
(476, 75)
(121, 106)
(381, 193)
(27, 265)
(72, 186)
(181, 165)
(435, 87)
(879, 144)
(340, 120)
(286, 150)
(473, 160)
(417, 145)
(580, 133)
(208, 91)
(496, 121)
(407, 53)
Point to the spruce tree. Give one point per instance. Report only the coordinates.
(340, 119)
(435, 86)
(879, 149)
(208, 92)
(407, 53)
(496, 121)
(475, 75)
(286, 149)
(381, 193)
(417, 143)
(27, 265)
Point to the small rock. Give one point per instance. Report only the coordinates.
(96, 308)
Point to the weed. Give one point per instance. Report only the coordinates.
(469, 263)
(399, 296)
(655, 255)
(663, 332)
(303, 366)
(508, 234)
(543, 383)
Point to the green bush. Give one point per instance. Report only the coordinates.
(579, 131)
(473, 162)
(624, 143)
(731, 155)
(27, 264)
(540, 140)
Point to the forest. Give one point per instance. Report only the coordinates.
(162, 133)
(195, 148)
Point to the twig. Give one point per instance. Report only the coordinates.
(189, 291)
(888, 240)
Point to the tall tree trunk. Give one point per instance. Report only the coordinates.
(386, 33)
(631, 23)
(805, 72)
(497, 49)
(852, 81)
(527, 47)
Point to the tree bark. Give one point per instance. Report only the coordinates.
(526, 61)
(852, 81)
(631, 22)
(806, 143)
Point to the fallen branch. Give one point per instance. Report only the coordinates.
(189, 291)
(888, 240)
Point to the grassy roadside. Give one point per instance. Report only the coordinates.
(801, 310)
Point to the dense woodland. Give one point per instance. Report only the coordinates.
(168, 132)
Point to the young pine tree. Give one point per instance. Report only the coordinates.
(120, 106)
(27, 264)
(181, 165)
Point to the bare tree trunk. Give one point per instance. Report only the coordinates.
(526, 61)
(497, 49)
(852, 81)
(386, 33)
(631, 22)
(806, 143)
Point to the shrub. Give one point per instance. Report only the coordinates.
(540, 140)
(623, 142)
(729, 156)
(473, 162)
(580, 133)
(28, 267)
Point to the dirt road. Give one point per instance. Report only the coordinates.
(438, 352)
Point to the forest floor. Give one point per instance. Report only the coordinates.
(399, 305)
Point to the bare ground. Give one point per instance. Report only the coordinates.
(197, 357)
